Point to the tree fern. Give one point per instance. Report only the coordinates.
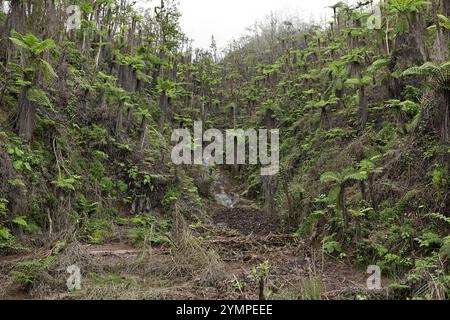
(406, 6)
(330, 177)
(439, 74)
(39, 97)
(377, 65)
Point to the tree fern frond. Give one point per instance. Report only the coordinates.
(39, 97)
(47, 69)
(330, 177)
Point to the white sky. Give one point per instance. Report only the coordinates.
(228, 19)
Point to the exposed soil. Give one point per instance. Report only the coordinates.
(247, 221)
(119, 249)
(293, 264)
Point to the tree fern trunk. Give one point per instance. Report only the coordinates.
(27, 114)
(363, 106)
(119, 121)
(441, 55)
(343, 206)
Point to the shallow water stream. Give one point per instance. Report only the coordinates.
(221, 195)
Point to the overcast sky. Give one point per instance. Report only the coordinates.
(228, 19)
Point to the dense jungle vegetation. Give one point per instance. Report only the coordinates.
(86, 178)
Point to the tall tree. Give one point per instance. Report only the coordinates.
(35, 70)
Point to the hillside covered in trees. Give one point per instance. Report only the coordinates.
(87, 111)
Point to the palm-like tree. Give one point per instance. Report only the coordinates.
(439, 74)
(407, 6)
(368, 169)
(439, 81)
(341, 181)
(409, 9)
(324, 105)
(356, 59)
(401, 109)
(336, 7)
(142, 114)
(34, 67)
(163, 87)
(404, 8)
(337, 73)
(361, 82)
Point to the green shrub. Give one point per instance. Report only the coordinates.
(147, 230)
(398, 291)
(106, 184)
(390, 262)
(440, 178)
(97, 230)
(430, 273)
(430, 241)
(170, 197)
(7, 241)
(28, 271)
(332, 247)
(3, 207)
(86, 206)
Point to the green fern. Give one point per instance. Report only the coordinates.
(39, 97)
(439, 74)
